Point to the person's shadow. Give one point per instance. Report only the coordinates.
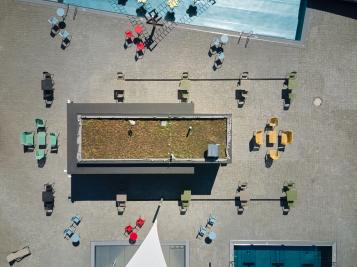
(268, 161)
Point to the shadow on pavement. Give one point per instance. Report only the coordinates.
(343, 8)
(86, 187)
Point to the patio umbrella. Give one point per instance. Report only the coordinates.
(122, 2)
(128, 34)
(170, 16)
(141, 12)
(191, 11)
(224, 39)
(138, 29)
(140, 46)
(150, 251)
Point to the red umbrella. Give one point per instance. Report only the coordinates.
(138, 29)
(128, 34)
(140, 46)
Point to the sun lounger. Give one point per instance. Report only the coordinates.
(18, 255)
(202, 232)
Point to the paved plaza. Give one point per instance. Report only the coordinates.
(322, 159)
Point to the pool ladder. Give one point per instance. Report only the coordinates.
(248, 36)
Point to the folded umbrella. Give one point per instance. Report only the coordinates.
(138, 29)
(140, 46)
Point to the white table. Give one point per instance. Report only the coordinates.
(60, 12)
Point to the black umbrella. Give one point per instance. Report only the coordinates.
(122, 2)
(141, 12)
(170, 16)
(192, 11)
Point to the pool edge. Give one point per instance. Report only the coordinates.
(93, 244)
(233, 243)
(266, 38)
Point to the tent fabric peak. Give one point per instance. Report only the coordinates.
(150, 252)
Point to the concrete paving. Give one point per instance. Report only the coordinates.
(322, 159)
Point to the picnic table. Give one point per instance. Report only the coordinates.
(244, 197)
(47, 196)
(291, 196)
(292, 83)
(185, 84)
(41, 137)
(47, 85)
(186, 196)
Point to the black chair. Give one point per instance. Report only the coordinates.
(139, 55)
(240, 97)
(48, 96)
(286, 96)
(65, 43)
(119, 95)
(46, 75)
(54, 30)
(128, 42)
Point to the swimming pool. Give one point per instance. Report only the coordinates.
(274, 18)
(275, 254)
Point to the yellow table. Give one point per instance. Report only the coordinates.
(284, 138)
(271, 137)
(259, 137)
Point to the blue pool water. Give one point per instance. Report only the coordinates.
(276, 18)
(287, 256)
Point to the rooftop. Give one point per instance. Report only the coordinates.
(321, 161)
(117, 138)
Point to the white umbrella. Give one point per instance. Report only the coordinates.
(150, 252)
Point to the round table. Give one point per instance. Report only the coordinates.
(60, 12)
(212, 235)
(215, 42)
(133, 236)
(62, 25)
(75, 238)
(224, 39)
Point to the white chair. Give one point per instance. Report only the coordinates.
(64, 34)
(53, 21)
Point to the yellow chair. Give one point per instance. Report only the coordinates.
(274, 154)
(172, 3)
(271, 137)
(286, 137)
(272, 122)
(258, 136)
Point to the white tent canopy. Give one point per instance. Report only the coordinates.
(149, 253)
